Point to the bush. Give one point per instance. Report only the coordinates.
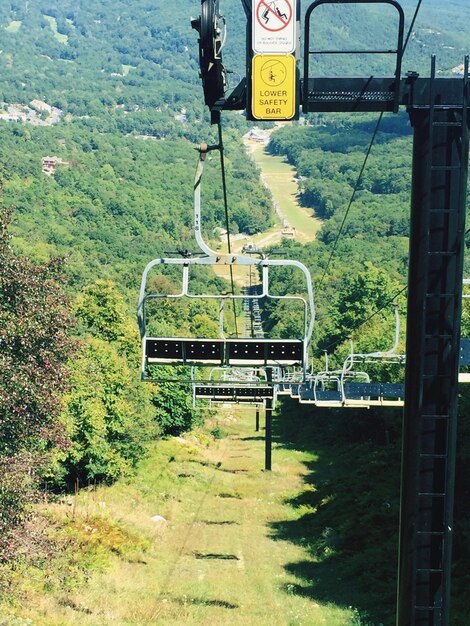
(174, 410)
(34, 351)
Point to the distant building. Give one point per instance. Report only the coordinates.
(41, 106)
(258, 135)
(49, 164)
(9, 118)
(288, 231)
(458, 70)
(182, 117)
(17, 112)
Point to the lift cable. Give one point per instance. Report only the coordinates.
(410, 30)
(340, 231)
(227, 221)
(351, 200)
(368, 318)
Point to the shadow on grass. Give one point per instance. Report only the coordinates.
(224, 494)
(215, 556)
(184, 601)
(348, 508)
(205, 463)
(219, 523)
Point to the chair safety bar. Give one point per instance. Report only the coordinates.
(352, 94)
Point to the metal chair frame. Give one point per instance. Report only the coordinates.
(222, 351)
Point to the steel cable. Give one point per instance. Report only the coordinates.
(340, 231)
(227, 220)
(367, 319)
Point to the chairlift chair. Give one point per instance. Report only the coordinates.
(358, 390)
(326, 387)
(222, 351)
(229, 385)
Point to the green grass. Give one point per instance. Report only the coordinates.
(53, 24)
(13, 27)
(216, 559)
(279, 178)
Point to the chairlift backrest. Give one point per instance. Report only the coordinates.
(384, 356)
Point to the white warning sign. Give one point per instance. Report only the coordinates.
(274, 24)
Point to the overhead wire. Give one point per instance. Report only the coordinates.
(351, 200)
(227, 220)
(410, 30)
(371, 143)
(367, 319)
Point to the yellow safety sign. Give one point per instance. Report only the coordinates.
(273, 86)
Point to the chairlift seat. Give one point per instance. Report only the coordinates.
(367, 404)
(295, 390)
(184, 351)
(267, 352)
(306, 393)
(378, 391)
(328, 395)
(236, 352)
(393, 390)
(357, 391)
(465, 352)
(224, 393)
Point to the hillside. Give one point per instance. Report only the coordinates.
(120, 196)
(99, 170)
(121, 73)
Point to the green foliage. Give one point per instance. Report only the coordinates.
(203, 326)
(34, 350)
(101, 309)
(362, 295)
(68, 549)
(174, 412)
(18, 486)
(329, 160)
(218, 433)
(109, 421)
(90, 543)
(107, 418)
(286, 320)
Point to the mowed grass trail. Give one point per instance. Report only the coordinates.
(278, 175)
(214, 561)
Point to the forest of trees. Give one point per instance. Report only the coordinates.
(73, 245)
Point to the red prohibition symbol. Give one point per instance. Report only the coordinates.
(274, 15)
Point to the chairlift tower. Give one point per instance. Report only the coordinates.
(439, 112)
